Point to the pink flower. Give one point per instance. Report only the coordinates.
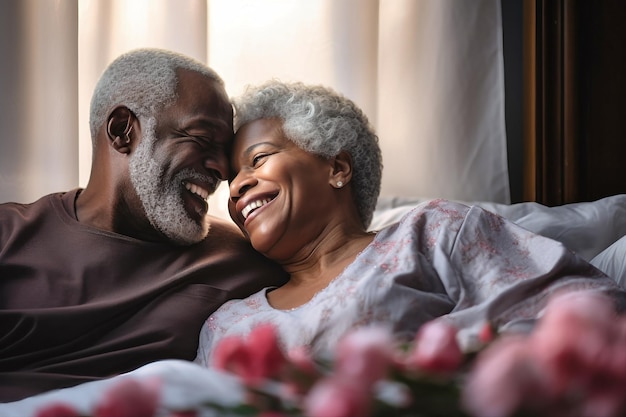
(337, 397)
(254, 358)
(607, 402)
(436, 348)
(572, 364)
(487, 333)
(57, 410)
(129, 398)
(365, 355)
(300, 373)
(575, 337)
(503, 378)
(231, 354)
(580, 344)
(301, 359)
(267, 359)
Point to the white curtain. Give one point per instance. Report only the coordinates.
(38, 100)
(429, 73)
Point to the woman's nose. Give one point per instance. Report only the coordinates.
(240, 184)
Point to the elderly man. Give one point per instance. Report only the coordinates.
(99, 281)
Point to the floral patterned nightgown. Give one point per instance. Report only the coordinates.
(443, 259)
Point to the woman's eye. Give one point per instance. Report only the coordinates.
(257, 159)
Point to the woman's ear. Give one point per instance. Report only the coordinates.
(341, 169)
(119, 127)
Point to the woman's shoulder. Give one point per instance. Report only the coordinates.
(239, 307)
(429, 223)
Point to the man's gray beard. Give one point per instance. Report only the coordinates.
(163, 203)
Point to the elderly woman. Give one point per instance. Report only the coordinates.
(306, 172)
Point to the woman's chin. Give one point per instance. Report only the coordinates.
(269, 238)
(263, 249)
(264, 245)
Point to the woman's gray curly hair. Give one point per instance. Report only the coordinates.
(322, 122)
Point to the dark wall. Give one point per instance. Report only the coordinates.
(601, 76)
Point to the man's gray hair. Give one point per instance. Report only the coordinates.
(144, 80)
(323, 122)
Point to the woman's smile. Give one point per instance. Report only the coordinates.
(249, 208)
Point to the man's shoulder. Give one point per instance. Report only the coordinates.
(224, 236)
(54, 204)
(23, 218)
(226, 248)
(34, 204)
(13, 208)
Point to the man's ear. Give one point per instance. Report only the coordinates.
(119, 128)
(341, 169)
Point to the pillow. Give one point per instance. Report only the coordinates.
(612, 261)
(586, 228)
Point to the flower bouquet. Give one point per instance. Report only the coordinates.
(367, 375)
(572, 364)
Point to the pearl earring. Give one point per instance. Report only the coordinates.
(339, 184)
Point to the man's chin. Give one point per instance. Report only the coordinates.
(187, 231)
(187, 239)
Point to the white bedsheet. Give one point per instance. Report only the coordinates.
(185, 385)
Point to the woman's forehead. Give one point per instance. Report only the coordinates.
(260, 130)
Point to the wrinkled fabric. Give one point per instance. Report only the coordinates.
(443, 259)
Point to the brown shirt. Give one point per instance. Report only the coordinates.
(78, 304)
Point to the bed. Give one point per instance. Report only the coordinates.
(595, 230)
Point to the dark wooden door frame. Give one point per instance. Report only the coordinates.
(550, 102)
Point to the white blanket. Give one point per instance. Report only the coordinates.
(185, 385)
